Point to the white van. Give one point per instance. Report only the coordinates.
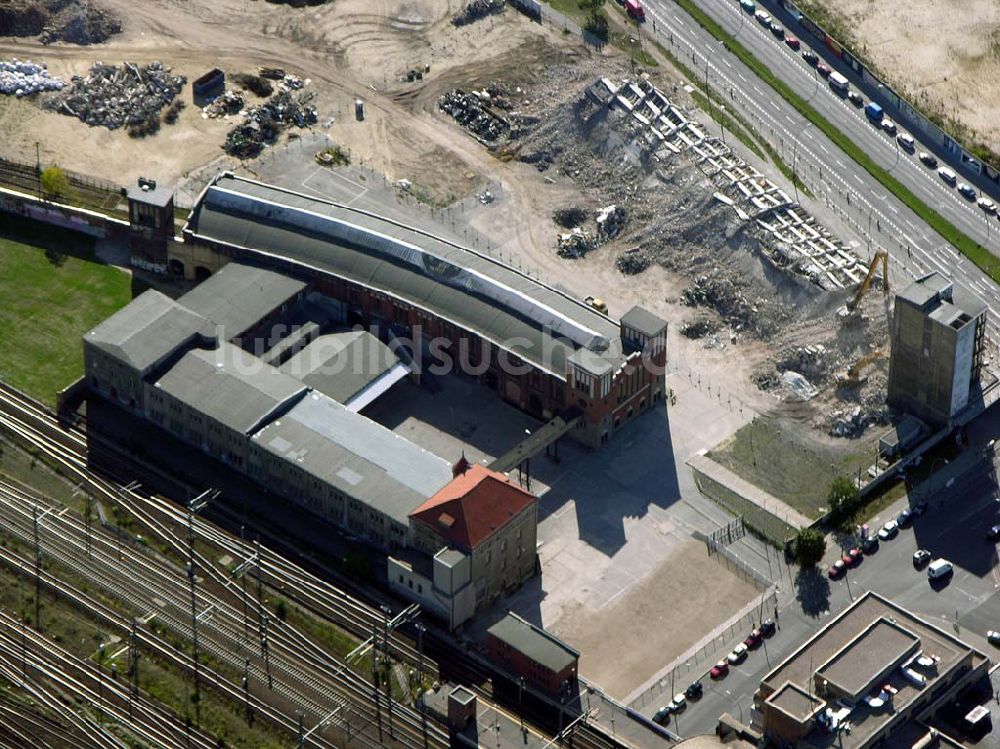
(939, 568)
(947, 175)
(838, 83)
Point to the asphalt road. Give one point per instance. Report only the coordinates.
(969, 603)
(834, 179)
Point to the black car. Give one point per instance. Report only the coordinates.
(810, 57)
(856, 98)
(870, 545)
(918, 509)
(767, 627)
(905, 517)
(993, 533)
(694, 691)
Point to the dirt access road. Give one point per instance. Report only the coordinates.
(944, 56)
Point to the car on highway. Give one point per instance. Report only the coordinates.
(662, 716)
(993, 637)
(967, 191)
(719, 670)
(993, 534)
(947, 175)
(748, 5)
(768, 627)
(927, 160)
(738, 654)
(754, 639)
(987, 205)
(889, 126)
(837, 569)
(694, 691)
(763, 17)
(906, 142)
(678, 703)
(823, 69)
(810, 57)
(792, 42)
(905, 517)
(855, 98)
(887, 531)
(921, 557)
(777, 29)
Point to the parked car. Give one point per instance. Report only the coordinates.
(767, 627)
(792, 42)
(662, 716)
(694, 691)
(837, 569)
(738, 654)
(678, 703)
(754, 639)
(947, 175)
(889, 126)
(719, 670)
(967, 191)
(906, 142)
(939, 569)
(993, 637)
(810, 57)
(921, 557)
(889, 530)
(904, 518)
(918, 509)
(870, 545)
(987, 205)
(852, 557)
(855, 98)
(748, 5)
(927, 160)
(763, 17)
(993, 534)
(777, 29)
(823, 69)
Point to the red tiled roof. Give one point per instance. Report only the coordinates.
(473, 506)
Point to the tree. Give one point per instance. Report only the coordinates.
(54, 181)
(843, 497)
(810, 546)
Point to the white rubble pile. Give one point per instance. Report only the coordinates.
(24, 78)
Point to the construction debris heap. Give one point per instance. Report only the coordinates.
(263, 124)
(477, 10)
(74, 21)
(24, 78)
(484, 113)
(119, 96)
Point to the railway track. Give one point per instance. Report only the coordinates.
(319, 688)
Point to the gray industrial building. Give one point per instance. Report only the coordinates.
(938, 337)
(205, 369)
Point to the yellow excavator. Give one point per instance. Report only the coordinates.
(869, 277)
(853, 375)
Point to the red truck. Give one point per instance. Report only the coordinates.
(634, 8)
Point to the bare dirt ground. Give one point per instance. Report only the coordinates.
(665, 613)
(944, 56)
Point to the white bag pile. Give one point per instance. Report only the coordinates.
(24, 77)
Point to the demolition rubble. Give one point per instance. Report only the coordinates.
(263, 124)
(476, 11)
(24, 78)
(114, 96)
(487, 114)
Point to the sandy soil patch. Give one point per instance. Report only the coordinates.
(632, 637)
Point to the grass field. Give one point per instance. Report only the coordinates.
(785, 460)
(52, 294)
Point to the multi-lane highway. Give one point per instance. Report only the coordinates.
(838, 183)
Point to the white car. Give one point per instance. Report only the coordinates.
(905, 141)
(889, 126)
(763, 17)
(678, 703)
(989, 206)
(738, 654)
(947, 175)
(889, 530)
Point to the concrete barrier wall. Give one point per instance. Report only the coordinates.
(58, 214)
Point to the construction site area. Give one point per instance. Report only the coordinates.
(603, 179)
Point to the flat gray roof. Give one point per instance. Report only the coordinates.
(796, 701)
(542, 647)
(238, 296)
(881, 645)
(951, 303)
(473, 291)
(644, 321)
(341, 365)
(231, 387)
(148, 329)
(158, 196)
(360, 458)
